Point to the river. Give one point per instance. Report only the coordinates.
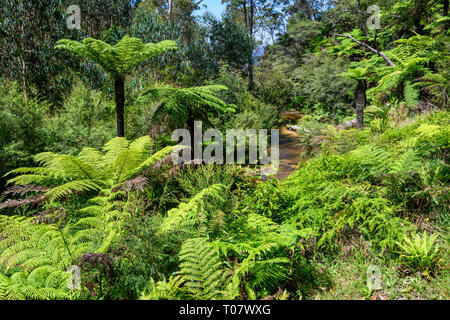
(290, 148)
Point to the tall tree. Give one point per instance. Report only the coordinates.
(230, 42)
(249, 11)
(118, 61)
(254, 13)
(192, 64)
(100, 15)
(29, 30)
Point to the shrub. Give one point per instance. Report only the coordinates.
(22, 128)
(420, 252)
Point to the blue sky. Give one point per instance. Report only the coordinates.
(214, 6)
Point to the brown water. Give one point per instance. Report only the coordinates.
(290, 148)
(290, 151)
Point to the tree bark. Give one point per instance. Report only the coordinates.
(119, 90)
(379, 53)
(360, 102)
(251, 83)
(361, 17)
(169, 9)
(23, 67)
(23, 72)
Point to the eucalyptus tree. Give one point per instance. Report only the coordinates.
(28, 31)
(100, 15)
(191, 64)
(230, 42)
(254, 14)
(118, 61)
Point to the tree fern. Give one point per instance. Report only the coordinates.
(195, 217)
(90, 171)
(187, 104)
(406, 162)
(118, 61)
(201, 269)
(28, 246)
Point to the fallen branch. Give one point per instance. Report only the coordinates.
(378, 52)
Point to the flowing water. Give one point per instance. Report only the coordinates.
(290, 148)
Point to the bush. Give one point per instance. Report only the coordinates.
(22, 128)
(420, 252)
(85, 120)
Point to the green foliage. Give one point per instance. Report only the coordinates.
(22, 128)
(91, 170)
(35, 257)
(143, 255)
(258, 247)
(194, 180)
(201, 269)
(253, 114)
(202, 275)
(420, 252)
(137, 226)
(231, 43)
(85, 120)
(200, 216)
(255, 258)
(192, 63)
(319, 81)
(261, 199)
(187, 103)
(119, 59)
(29, 32)
(42, 284)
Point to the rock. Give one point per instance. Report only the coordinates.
(293, 128)
(350, 123)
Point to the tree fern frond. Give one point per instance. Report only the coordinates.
(71, 187)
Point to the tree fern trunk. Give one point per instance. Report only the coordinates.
(191, 129)
(119, 90)
(360, 102)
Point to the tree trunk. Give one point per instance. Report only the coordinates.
(249, 23)
(169, 9)
(23, 72)
(445, 9)
(23, 68)
(360, 102)
(251, 82)
(191, 128)
(119, 90)
(361, 17)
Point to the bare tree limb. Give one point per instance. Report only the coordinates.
(379, 53)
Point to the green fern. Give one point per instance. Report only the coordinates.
(90, 171)
(179, 102)
(201, 269)
(196, 217)
(41, 284)
(420, 252)
(202, 275)
(120, 58)
(405, 163)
